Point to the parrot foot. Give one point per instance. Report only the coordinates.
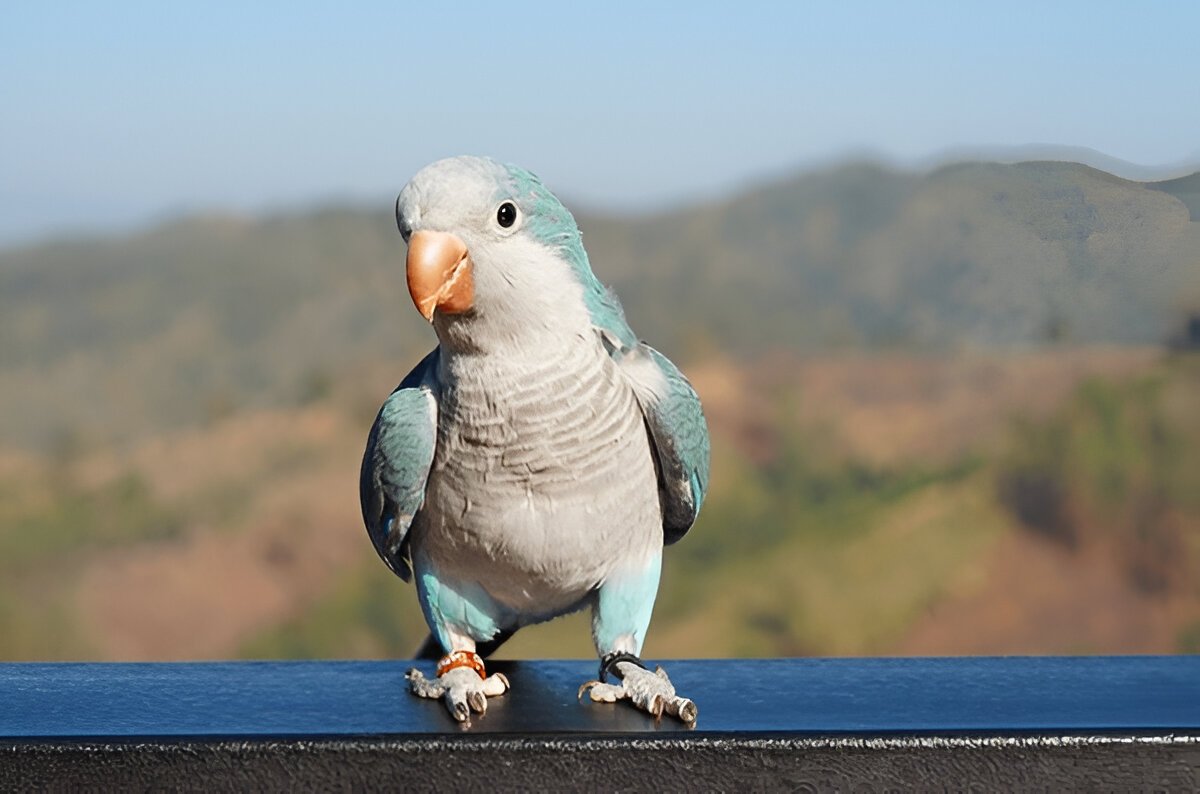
(461, 682)
(653, 693)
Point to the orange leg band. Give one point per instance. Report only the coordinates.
(461, 659)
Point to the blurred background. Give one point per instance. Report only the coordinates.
(934, 269)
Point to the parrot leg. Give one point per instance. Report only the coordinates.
(461, 682)
(653, 693)
(620, 617)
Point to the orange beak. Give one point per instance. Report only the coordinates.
(440, 274)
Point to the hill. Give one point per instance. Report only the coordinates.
(921, 388)
(113, 339)
(1044, 502)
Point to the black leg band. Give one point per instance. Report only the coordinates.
(608, 665)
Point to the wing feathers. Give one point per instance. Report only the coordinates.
(678, 433)
(396, 464)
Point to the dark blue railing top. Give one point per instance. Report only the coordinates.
(794, 696)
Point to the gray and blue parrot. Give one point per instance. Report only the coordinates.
(538, 460)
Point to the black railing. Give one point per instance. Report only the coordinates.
(868, 724)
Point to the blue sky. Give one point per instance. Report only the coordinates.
(116, 114)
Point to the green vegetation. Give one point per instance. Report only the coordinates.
(760, 509)
(1119, 464)
(49, 526)
(368, 613)
(39, 624)
(1189, 639)
(228, 336)
(808, 551)
(45, 521)
(737, 585)
(197, 319)
(856, 588)
(801, 542)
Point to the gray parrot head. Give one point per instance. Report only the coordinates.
(491, 252)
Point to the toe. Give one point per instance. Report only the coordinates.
(460, 688)
(602, 693)
(495, 684)
(655, 694)
(421, 686)
(684, 709)
(456, 704)
(651, 703)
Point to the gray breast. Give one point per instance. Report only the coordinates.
(543, 478)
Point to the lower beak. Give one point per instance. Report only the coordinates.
(440, 274)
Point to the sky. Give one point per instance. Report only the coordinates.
(117, 115)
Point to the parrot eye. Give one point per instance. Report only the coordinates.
(506, 215)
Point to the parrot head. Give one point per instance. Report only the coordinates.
(491, 251)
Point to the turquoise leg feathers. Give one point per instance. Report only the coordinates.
(619, 622)
(457, 611)
(623, 607)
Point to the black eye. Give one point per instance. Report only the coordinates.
(506, 216)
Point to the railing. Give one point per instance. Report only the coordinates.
(863, 724)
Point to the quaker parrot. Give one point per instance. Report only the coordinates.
(538, 460)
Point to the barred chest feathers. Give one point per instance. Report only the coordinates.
(542, 463)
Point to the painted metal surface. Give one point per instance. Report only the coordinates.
(813, 697)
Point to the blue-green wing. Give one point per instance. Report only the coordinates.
(674, 418)
(396, 464)
(678, 433)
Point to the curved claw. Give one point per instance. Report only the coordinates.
(684, 709)
(651, 692)
(496, 684)
(461, 688)
(604, 693)
(584, 688)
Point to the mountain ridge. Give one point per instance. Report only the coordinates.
(102, 336)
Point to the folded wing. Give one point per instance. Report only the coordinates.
(396, 464)
(678, 434)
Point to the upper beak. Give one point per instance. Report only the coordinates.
(440, 273)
